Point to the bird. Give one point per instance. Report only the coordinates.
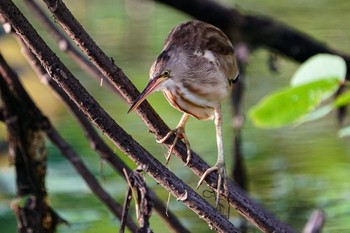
(196, 71)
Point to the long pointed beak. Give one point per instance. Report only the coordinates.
(149, 89)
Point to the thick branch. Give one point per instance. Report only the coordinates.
(34, 118)
(65, 44)
(68, 152)
(97, 143)
(29, 155)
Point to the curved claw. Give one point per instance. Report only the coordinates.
(220, 168)
(179, 133)
(188, 149)
(167, 136)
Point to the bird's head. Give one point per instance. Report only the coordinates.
(166, 68)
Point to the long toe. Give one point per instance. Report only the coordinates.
(188, 148)
(220, 168)
(221, 181)
(179, 134)
(167, 136)
(206, 173)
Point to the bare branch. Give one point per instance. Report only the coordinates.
(40, 122)
(65, 44)
(68, 152)
(143, 201)
(28, 154)
(96, 142)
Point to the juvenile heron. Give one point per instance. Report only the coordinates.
(195, 71)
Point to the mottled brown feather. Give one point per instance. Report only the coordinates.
(196, 35)
(202, 64)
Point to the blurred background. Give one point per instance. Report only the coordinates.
(292, 171)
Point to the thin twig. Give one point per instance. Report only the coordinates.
(126, 207)
(315, 222)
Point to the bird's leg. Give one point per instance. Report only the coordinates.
(179, 132)
(220, 164)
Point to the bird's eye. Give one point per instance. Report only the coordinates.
(166, 73)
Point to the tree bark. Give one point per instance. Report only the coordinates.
(28, 154)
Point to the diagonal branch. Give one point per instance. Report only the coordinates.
(68, 152)
(65, 44)
(39, 121)
(28, 154)
(96, 142)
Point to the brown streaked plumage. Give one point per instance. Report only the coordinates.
(195, 71)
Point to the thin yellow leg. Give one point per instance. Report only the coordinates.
(179, 132)
(220, 163)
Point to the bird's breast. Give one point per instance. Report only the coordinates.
(185, 101)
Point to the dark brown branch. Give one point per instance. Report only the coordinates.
(96, 142)
(126, 208)
(101, 119)
(28, 154)
(238, 172)
(137, 188)
(42, 123)
(69, 153)
(2, 118)
(65, 44)
(236, 197)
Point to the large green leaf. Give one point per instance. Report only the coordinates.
(292, 104)
(320, 66)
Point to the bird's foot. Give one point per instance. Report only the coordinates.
(220, 168)
(179, 134)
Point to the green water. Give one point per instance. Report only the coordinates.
(292, 171)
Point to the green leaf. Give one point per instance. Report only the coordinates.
(343, 99)
(320, 66)
(292, 104)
